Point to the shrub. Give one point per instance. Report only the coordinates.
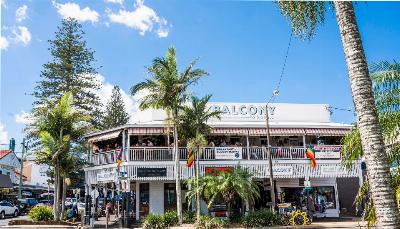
(189, 217)
(207, 222)
(41, 213)
(261, 218)
(154, 221)
(170, 219)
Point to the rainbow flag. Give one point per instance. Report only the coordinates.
(311, 154)
(119, 158)
(190, 158)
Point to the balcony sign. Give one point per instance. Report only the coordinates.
(152, 172)
(325, 152)
(282, 170)
(106, 176)
(228, 153)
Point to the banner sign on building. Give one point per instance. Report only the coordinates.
(106, 176)
(282, 170)
(214, 171)
(228, 153)
(327, 152)
(151, 172)
(330, 170)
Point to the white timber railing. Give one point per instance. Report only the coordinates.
(207, 154)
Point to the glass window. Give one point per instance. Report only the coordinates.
(324, 197)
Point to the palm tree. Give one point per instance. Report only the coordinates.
(304, 17)
(194, 127)
(168, 90)
(228, 185)
(57, 127)
(386, 85)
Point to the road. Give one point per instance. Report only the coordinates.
(4, 222)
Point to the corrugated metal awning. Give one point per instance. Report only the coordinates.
(327, 131)
(147, 130)
(105, 136)
(5, 181)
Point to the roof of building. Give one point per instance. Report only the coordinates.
(4, 152)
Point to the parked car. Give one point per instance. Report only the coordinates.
(25, 205)
(45, 203)
(70, 201)
(7, 209)
(81, 206)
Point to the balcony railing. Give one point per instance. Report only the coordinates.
(207, 154)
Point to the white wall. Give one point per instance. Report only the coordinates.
(9, 164)
(38, 174)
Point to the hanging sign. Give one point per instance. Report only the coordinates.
(327, 152)
(282, 170)
(330, 170)
(151, 172)
(230, 153)
(106, 176)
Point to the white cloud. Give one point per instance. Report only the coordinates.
(22, 35)
(23, 117)
(116, 1)
(142, 18)
(3, 3)
(21, 13)
(3, 43)
(3, 134)
(73, 10)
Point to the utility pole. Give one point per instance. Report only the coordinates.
(21, 169)
(271, 173)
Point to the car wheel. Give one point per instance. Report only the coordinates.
(2, 215)
(16, 213)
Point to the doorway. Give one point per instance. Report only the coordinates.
(144, 199)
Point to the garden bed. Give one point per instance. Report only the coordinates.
(30, 222)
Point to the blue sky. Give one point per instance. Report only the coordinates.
(240, 43)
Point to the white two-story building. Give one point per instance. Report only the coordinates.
(238, 139)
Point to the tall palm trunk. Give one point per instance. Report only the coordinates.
(56, 191)
(197, 185)
(64, 195)
(376, 159)
(177, 175)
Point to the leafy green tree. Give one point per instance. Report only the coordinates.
(167, 89)
(70, 70)
(57, 129)
(226, 185)
(304, 18)
(115, 112)
(194, 128)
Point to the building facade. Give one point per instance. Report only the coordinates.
(238, 139)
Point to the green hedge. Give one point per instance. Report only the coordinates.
(160, 221)
(261, 218)
(41, 213)
(207, 222)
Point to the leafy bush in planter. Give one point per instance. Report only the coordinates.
(170, 219)
(261, 218)
(41, 213)
(207, 222)
(189, 217)
(154, 221)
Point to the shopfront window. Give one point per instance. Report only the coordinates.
(324, 197)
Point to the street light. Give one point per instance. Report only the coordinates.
(271, 174)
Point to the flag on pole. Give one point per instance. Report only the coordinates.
(190, 158)
(311, 155)
(119, 158)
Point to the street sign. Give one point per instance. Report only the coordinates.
(307, 185)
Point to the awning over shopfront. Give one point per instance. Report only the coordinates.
(251, 131)
(5, 181)
(105, 136)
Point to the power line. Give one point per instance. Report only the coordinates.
(284, 62)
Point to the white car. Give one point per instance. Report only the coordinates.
(7, 208)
